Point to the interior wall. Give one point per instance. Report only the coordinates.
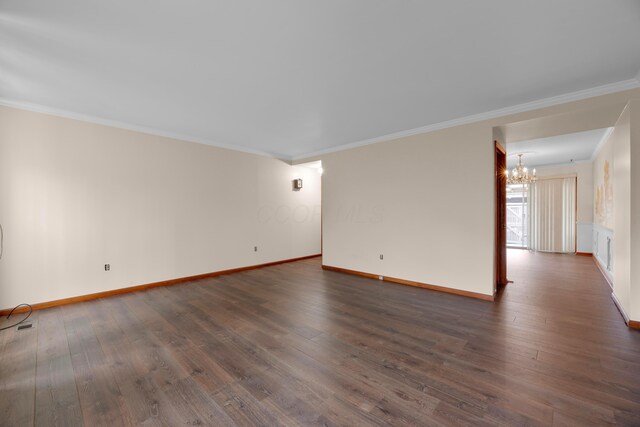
(634, 215)
(603, 195)
(584, 173)
(620, 140)
(397, 197)
(424, 202)
(75, 196)
(626, 209)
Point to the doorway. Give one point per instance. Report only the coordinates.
(306, 213)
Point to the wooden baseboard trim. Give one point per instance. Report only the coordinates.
(347, 271)
(633, 324)
(89, 297)
(584, 254)
(412, 283)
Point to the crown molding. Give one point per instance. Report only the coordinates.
(135, 128)
(633, 83)
(621, 86)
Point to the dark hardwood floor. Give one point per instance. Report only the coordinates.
(295, 345)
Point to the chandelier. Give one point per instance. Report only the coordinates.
(520, 174)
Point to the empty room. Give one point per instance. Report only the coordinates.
(319, 213)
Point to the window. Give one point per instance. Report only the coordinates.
(517, 227)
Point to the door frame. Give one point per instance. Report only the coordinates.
(500, 182)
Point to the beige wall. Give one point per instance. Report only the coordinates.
(75, 196)
(603, 182)
(425, 202)
(634, 215)
(620, 140)
(603, 186)
(626, 209)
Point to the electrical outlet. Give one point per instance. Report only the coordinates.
(255, 249)
(381, 256)
(107, 267)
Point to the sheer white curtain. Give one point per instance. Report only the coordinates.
(552, 215)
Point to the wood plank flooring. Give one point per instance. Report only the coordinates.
(295, 345)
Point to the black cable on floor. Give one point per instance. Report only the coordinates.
(19, 305)
(11, 312)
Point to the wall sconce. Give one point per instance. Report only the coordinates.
(297, 184)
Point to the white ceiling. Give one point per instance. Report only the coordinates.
(555, 150)
(294, 77)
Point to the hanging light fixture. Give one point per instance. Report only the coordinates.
(520, 174)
